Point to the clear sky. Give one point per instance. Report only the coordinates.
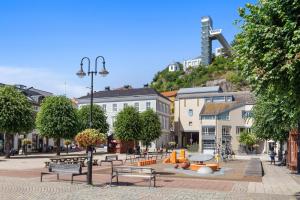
(43, 41)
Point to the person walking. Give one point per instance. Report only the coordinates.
(272, 156)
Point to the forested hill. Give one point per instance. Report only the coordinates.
(221, 72)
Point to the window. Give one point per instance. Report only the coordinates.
(208, 99)
(190, 123)
(226, 131)
(167, 123)
(208, 130)
(229, 98)
(240, 129)
(113, 120)
(208, 144)
(191, 112)
(104, 107)
(219, 99)
(207, 117)
(246, 114)
(148, 105)
(224, 116)
(136, 106)
(159, 106)
(125, 105)
(168, 109)
(115, 107)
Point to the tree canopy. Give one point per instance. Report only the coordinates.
(128, 124)
(16, 114)
(269, 118)
(248, 139)
(99, 118)
(267, 51)
(57, 119)
(151, 128)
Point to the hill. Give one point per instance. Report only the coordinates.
(221, 72)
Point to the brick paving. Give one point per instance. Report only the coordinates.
(20, 189)
(277, 183)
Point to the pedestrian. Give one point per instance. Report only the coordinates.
(272, 156)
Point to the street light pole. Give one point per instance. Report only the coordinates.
(91, 73)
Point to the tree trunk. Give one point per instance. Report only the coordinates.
(47, 144)
(67, 149)
(58, 146)
(280, 151)
(8, 144)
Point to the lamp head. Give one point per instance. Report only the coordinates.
(81, 73)
(103, 72)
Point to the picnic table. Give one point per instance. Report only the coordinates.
(68, 160)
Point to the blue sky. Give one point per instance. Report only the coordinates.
(43, 41)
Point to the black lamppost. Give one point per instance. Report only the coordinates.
(91, 73)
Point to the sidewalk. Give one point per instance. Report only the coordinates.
(277, 180)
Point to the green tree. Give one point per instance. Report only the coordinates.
(16, 115)
(267, 50)
(269, 118)
(248, 139)
(151, 128)
(57, 119)
(128, 124)
(99, 118)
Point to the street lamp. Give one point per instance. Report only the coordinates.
(103, 72)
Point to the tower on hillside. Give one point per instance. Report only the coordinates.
(208, 34)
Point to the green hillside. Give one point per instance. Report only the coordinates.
(221, 68)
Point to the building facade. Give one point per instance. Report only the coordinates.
(195, 62)
(174, 67)
(211, 118)
(113, 101)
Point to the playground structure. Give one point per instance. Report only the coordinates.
(208, 34)
(198, 161)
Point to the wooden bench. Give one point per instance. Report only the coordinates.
(141, 172)
(111, 159)
(73, 169)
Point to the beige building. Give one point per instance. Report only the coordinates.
(211, 118)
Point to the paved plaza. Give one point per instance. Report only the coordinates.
(15, 183)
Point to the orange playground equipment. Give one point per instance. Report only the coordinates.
(173, 157)
(146, 162)
(194, 166)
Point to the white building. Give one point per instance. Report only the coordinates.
(220, 51)
(195, 62)
(174, 67)
(113, 101)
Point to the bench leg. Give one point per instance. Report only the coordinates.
(41, 177)
(154, 181)
(150, 182)
(57, 176)
(72, 179)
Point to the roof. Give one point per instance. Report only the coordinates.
(124, 93)
(199, 90)
(169, 93)
(218, 108)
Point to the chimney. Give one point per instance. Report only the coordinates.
(127, 87)
(107, 88)
(146, 85)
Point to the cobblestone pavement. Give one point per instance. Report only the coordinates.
(23, 189)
